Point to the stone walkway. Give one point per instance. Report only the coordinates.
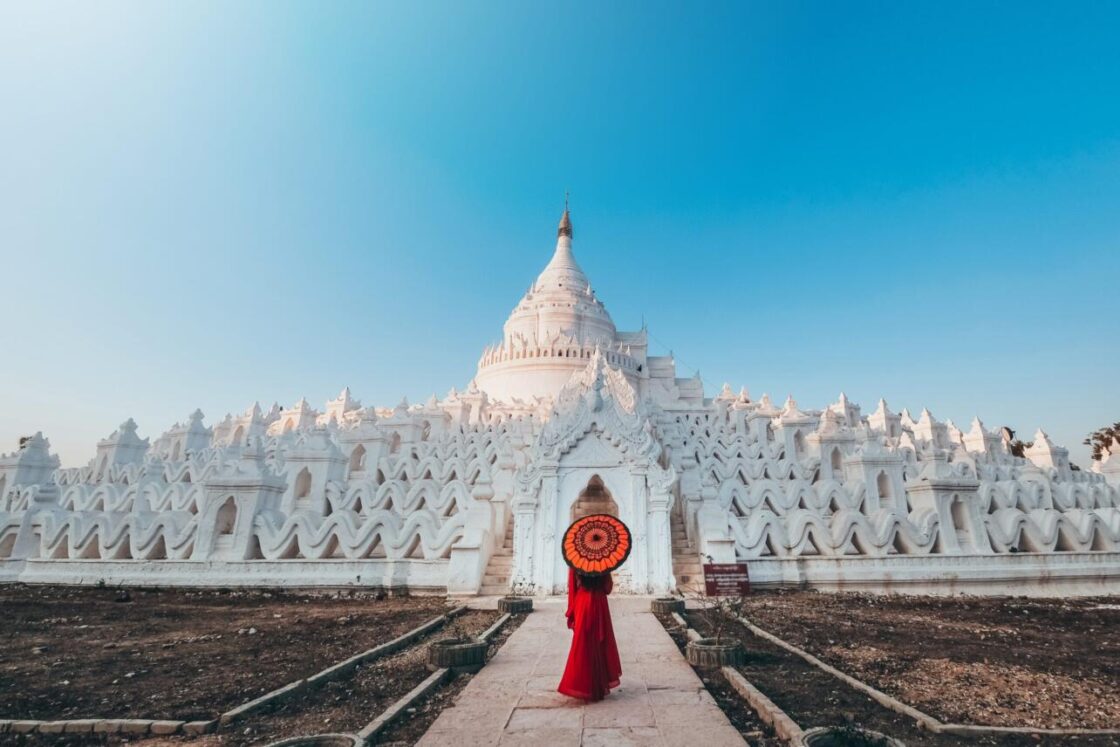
(513, 700)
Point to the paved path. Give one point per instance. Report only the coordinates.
(513, 700)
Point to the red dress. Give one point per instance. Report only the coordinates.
(593, 667)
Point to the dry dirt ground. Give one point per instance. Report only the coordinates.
(815, 698)
(348, 704)
(1044, 663)
(95, 652)
(408, 729)
(738, 711)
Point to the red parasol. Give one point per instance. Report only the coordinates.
(596, 545)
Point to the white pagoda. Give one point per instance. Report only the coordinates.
(470, 493)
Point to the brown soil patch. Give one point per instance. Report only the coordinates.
(988, 661)
(348, 704)
(738, 712)
(70, 652)
(412, 725)
(812, 698)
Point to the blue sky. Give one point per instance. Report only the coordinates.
(203, 205)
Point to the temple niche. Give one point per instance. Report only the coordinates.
(594, 499)
(565, 415)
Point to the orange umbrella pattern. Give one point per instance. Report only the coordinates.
(596, 545)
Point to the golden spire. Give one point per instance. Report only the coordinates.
(565, 228)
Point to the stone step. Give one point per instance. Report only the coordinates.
(490, 578)
(495, 590)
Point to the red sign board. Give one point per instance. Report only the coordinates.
(726, 579)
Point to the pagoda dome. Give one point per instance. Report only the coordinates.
(552, 331)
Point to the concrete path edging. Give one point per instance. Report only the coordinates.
(784, 726)
(166, 727)
(131, 726)
(370, 731)
(336, 670)
(375, 727)
(513, 702)
(923, 719)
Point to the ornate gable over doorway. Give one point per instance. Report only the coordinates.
(598, 398)
(599, 431)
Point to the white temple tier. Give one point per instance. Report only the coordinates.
(553, 332)
(566, 415)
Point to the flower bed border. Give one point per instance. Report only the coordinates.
(768, 711)
(370, 731)
(161, 727)
(923, 719)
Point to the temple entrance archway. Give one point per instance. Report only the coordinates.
(594, 499)
(598, 453)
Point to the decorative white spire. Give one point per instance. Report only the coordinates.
(562, 271)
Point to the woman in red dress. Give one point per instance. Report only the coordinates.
(593, 667)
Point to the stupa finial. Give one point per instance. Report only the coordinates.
(565, 228)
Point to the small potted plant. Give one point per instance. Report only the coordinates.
(457, 650)
(667, 606)
(722, 647)
(519, 601)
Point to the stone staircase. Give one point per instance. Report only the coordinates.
(686, 559)
(587, 505)
(495, 582)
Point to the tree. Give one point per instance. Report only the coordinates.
(1101, 439)
(719, 612)
(1015, 445)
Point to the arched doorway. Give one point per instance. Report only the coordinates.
(225, 524)
(883, 485)
(303, 484)
(594, 499)
(227, 518)
(358, 458)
